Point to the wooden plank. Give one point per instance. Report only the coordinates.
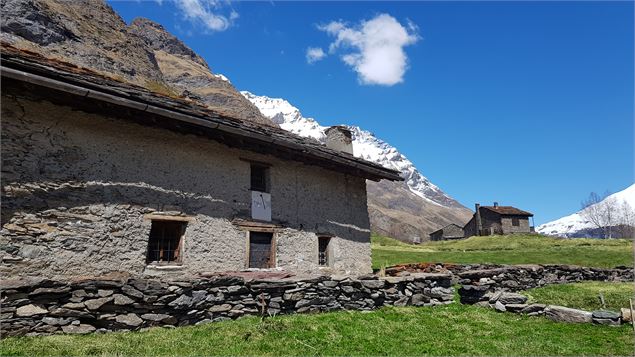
(165, 217)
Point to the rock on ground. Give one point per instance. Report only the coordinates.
(565, 314)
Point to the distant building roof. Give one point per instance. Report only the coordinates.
(508, 210)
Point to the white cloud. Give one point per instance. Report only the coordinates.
(376, 47)
(205, 13)
(314, 54)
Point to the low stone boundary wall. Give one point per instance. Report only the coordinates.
(516, 303)
(480, 279)
(523, 277)
(477, 283)
(47, 307)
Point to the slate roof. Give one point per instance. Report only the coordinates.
(448, 226)
(508, 211)
(64, 80)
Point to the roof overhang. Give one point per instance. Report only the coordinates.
(40, 78)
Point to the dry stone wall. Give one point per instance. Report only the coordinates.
(36, 307)
(496, 286)
(478, 280)
(503, 301)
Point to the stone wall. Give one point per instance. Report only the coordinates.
(31, 307)
(79, 192)
(494, 223)
(451, 231)
(508, 226)
(480, 280)
(516, 303)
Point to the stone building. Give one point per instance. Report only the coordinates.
(100, 176)
(489, 220)
(449, 232)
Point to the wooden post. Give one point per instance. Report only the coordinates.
(602, 300)
(632, 316)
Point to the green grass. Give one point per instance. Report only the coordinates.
(584, 295)
(514, 249)
(438, 331)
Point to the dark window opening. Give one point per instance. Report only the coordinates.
(164, 245)
(515, 222)
(259, 178)
(323, 250)
(260, 250)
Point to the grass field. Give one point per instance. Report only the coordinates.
(584, 295)
(438, 331)
(516, 249)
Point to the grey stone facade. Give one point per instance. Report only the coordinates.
(497, 220)
(508, 227)
(80, 192)
(451, 231)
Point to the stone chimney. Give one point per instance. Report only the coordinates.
(339, 138)
(477, 218)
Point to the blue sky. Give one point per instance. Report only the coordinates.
(525, 103)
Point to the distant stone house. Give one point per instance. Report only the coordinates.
(488, 220)
(100, 176)
(449, 232)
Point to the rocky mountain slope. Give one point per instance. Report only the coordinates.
(404, 210)
(83, 32)
(186, 71)
(90, 34)
(576, 225)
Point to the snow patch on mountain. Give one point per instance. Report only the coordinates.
(221, 77)
(365, 145)
(570, 225)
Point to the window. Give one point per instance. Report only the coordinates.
(515, 222)
(323, 250)
(259, 178)
(260, 250)
(165, 243)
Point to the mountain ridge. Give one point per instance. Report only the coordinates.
(576, 225)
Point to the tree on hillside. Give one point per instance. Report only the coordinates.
(612, 217)
(601, 211)
(627, 220)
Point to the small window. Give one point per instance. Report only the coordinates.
(259, 178)
(515, 222)
(165, 243)
(323, 251)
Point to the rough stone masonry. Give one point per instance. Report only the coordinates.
(35, 307)
(80, 192)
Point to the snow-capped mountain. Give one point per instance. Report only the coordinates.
(365, 145)
(575, 225)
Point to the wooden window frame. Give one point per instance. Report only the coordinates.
(515, 222)
(183, 221)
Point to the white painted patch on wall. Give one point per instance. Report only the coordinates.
(261, 206)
